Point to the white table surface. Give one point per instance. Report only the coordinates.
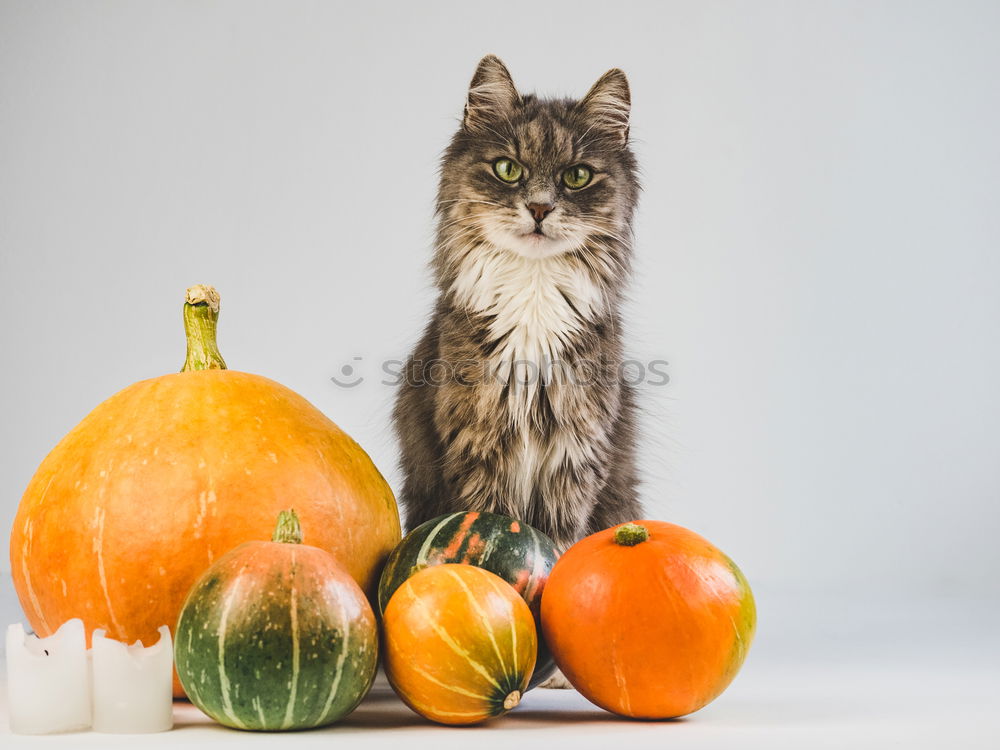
(863, 673)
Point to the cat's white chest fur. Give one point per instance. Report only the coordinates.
(537, 305)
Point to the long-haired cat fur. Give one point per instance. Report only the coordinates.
(513, 400)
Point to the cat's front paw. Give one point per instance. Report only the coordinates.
(557, 681)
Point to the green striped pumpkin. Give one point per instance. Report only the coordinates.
(276, 635)
(511, 549)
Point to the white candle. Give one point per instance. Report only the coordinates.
(133, 686)
(48, 680)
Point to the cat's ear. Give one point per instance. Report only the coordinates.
(492, 95)
(606, 106)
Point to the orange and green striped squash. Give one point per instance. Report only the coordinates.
(276, 636)
(459, 644)
(518, 553)
(648, 619)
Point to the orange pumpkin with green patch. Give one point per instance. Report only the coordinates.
(648, 619)
(459, 644)
(129, 509)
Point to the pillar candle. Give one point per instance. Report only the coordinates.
(48, 680)
(133, 686)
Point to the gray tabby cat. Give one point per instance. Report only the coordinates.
(514, 401)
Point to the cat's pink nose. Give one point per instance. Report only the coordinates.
(540, 210)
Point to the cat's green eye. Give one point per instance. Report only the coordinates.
(507, 170)
(577, 176)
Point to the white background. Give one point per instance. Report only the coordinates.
(818, 257)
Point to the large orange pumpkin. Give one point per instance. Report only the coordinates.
(648, 619)
(460, 644)
(134, 503)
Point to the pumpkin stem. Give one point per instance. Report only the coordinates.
(631, 534)
(512, 700)
(201, 316)
(288, 530)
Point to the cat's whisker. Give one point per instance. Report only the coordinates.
(461, 220)
(470, 200)
(472, 218)
(603, 231)
(469, 238)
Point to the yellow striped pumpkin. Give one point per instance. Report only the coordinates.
(460, 644)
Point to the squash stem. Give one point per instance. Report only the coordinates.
(512, 700)
(631, 534)
(288, 530)
(201, 317)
